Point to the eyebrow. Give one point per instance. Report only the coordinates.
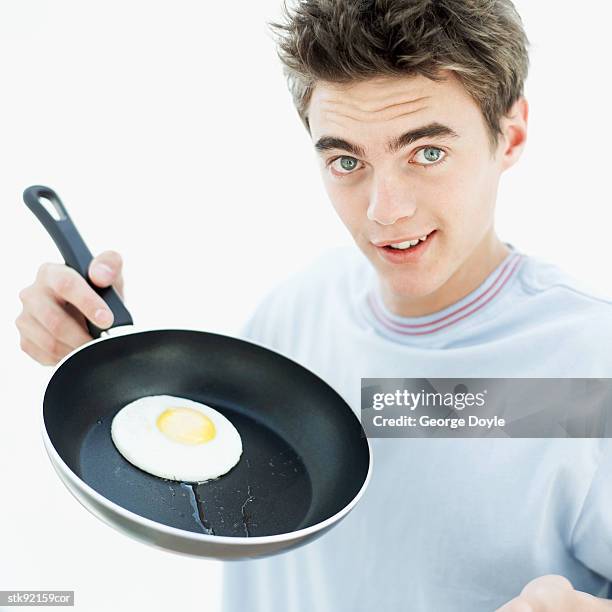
(431, 130)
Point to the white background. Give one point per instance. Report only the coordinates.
(168, 132)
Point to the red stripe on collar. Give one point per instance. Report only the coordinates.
(456, 315)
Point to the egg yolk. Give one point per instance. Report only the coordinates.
(186, 426)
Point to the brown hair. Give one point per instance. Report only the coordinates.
(339, 41)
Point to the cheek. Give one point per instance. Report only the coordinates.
(466, 201)
(347, 202)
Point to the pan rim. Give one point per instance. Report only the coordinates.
(238, 541)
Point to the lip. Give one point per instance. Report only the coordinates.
(398, 240)
(411, 255)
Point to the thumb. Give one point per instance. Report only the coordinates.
(105, 268)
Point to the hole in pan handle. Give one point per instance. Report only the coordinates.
(75, 252)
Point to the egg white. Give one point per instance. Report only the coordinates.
(135, 433)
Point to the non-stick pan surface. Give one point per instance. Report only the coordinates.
(304, 457)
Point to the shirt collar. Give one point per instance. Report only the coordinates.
(409, 329)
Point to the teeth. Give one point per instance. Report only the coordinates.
(408, 243)
(404, 245)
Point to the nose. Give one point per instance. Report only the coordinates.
(390, 201)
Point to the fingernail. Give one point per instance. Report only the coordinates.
(103, 272)
(103, 317)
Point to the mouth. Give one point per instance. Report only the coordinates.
(401, 251)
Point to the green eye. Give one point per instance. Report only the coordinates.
(348, 163)
(430, 155)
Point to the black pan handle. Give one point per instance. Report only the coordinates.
(73, 250)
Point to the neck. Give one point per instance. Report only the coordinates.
(489, 253)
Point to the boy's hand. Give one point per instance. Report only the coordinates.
(554, 593)
(52, 321)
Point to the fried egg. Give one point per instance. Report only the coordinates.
(176, 438)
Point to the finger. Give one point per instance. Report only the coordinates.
(518, 604)
(548, 582)
(59, 322)
(34, 351)
(68, 285)
(586, 601)
(106, 269)
(550, 592)
(37, 342)
(77, 315)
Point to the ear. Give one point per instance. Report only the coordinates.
(514, 133)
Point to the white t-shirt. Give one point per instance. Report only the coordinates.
(445, 525)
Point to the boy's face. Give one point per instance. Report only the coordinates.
(441, 180)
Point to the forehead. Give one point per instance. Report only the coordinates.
(378, 107)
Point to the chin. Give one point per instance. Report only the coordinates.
(409, 285)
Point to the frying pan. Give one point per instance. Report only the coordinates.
(306, 461)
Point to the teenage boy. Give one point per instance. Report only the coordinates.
(416, 108)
